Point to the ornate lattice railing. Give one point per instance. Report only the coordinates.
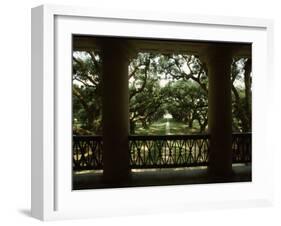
(159, 151)
(242, 147)
(87, 152)
(168, 151)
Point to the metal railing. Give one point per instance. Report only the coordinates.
(169, 151)
(242, 147)
(87, 152)
(159, 151)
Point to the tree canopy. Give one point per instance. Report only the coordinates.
(158, 83)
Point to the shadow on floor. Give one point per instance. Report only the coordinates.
(25, 212)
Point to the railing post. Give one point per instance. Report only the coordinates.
(219, 59)
(115, 108)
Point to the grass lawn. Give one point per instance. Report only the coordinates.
(161, 127)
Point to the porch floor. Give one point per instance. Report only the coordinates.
(91, 179)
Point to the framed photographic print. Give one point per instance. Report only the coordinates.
(134, 112)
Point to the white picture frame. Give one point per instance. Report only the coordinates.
(52, 197)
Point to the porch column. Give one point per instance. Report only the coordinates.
(219, 111)
(115, 110)
(248, 93)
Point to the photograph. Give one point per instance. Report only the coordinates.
(158, 112)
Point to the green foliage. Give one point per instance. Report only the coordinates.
(187, 102)
(86, 91)
(158, 83)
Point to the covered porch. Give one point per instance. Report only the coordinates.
(118, 159)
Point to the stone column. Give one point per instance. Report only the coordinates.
(115, 110)
(248, 93)
(219, 59)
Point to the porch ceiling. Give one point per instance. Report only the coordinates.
(87, 43)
